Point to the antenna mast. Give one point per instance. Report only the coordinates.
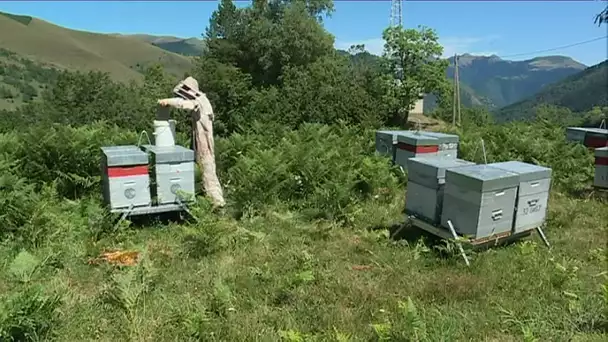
(396, 18)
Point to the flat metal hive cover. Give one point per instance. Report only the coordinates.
(527, 172)
(417, 139)
(170, 154)
(443, 137)
(481, 178)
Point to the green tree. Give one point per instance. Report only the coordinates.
(414, 66)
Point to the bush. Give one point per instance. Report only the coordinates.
(322, 170)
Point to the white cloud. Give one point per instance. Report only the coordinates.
(451, 45)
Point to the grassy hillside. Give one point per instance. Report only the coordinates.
(182, 46)
(122, 57)
(579, 93)
(504, 82)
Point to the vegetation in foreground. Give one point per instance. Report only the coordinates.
(303, 250)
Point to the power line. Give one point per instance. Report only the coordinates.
(555, 48)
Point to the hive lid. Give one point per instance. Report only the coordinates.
(601, 152)
(527, 172)
(435, 166)
(124, 155)
(481, 178)
(392, 134)
(170, 154)
(597, 132)
(416, 139)
(589, 129)
(443, 137)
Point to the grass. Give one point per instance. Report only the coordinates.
(278, 277)
(121, 56)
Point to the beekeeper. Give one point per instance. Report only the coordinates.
(192, 99)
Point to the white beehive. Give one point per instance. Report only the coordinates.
(601, 168)
(124, 177)
(479, 200)
(414, 144)
(386, 141)
(448, 143)
(425, 185)
(532, 195)
(173, 171)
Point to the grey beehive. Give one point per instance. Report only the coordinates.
(124, 177)
(386, 141)
(448, 143)
(479, 200)
(532, 194)
(576, 134)
(414, 144)
(173, 171)
(601, 168)
(590, 137)
(425, 185)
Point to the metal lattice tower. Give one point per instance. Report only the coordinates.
(396, 18)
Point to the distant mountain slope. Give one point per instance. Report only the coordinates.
(579, 92)
(122, 57)
(182, 46)
(493, 83)
(504, 82)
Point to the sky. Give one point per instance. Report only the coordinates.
(515, 30)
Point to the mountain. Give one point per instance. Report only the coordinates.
(121, 56)
(182, 46)
(579, 93)
(502, 82)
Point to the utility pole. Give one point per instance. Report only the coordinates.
(458, 89)
(456, 102)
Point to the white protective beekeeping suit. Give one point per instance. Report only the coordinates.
(192, 99)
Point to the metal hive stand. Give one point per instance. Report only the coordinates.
(149, 210)
(453, 236)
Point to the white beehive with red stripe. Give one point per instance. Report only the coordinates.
(414, 144)
(124, 177)
(601, 168)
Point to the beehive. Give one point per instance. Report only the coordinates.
(596, 138)
(590, 137)
(386, 141)
(576, 134)
(414, 144)
(601, 168)
(425, 185)
(479, 200)
(448, 143)
(124, 177)
(173, 172)
(532, 194)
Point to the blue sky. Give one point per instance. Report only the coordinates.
(503, 28)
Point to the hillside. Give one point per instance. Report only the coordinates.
(182, 46)
(64, 48)
(493, 83)
(504, 82)
(579, 93)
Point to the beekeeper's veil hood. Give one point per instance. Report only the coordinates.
(187, 89)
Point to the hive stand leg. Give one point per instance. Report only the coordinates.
(183, 205)
(123, 216)
(542, 236)
(464, 255)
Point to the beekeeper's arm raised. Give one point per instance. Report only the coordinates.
(179, 103)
